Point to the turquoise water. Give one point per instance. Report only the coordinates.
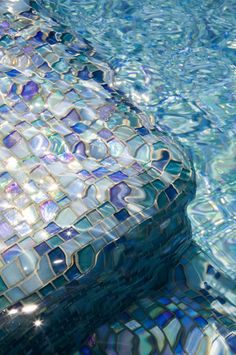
(176, 61)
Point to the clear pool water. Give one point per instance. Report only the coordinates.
(177, 61)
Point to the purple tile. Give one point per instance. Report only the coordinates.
(118, 194)
(29, 90)
(105, 134)
(118, 176)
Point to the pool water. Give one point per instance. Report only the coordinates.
(176, 61)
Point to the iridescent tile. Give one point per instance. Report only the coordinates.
(158, 184)
(68, 233)
(5, 41)
(118, 176)
(231, 340)
(12, 274)
(13, 189)
(54, 241)
(100, 172)
(162, 161)
(71, 117)
(144, 337)
(159, 337)
(105, 134)
(105, 112)
(171, 192)
(6, 230)
(48, 210)
(86, 258)
(80, 151)
(15, 294)
(116, 148)
(11, 139)
(30, 90)
(162, 200)
(31, 285)
(61, 66)
(21, 107)
(164, 318)
(118, 193)
(42, 248)
(28, 261)
(13, 73)
(45, 272)
(11, 253)
(94, 217)
(58, 260)
(84, 74)
(143, 131)
(79, 128)
(83, 224)
(39, 144)
(52, 228)
(98, 149)
(106, 209)
(173, 167)
(134, 144)
(122, 215)
(66, 218)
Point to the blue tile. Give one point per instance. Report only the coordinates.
(118, 176)
(52, 228)
(13, 73)
(100, 172)
(80, 127)
(143, 131)
(42, 248)
(68, 233)
(122, 215)
(58, 260)
(171, 192)
(73, 273)
(11, 253)
(164, 318)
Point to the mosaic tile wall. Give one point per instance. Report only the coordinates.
(80, 167)
(82, 172)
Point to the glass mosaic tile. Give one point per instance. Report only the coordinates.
(68, 149)
(93, 210)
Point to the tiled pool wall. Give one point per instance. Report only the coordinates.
(72, 146)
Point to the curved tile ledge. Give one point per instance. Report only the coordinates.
(93, 195)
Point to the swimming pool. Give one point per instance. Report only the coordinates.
(176, 61)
